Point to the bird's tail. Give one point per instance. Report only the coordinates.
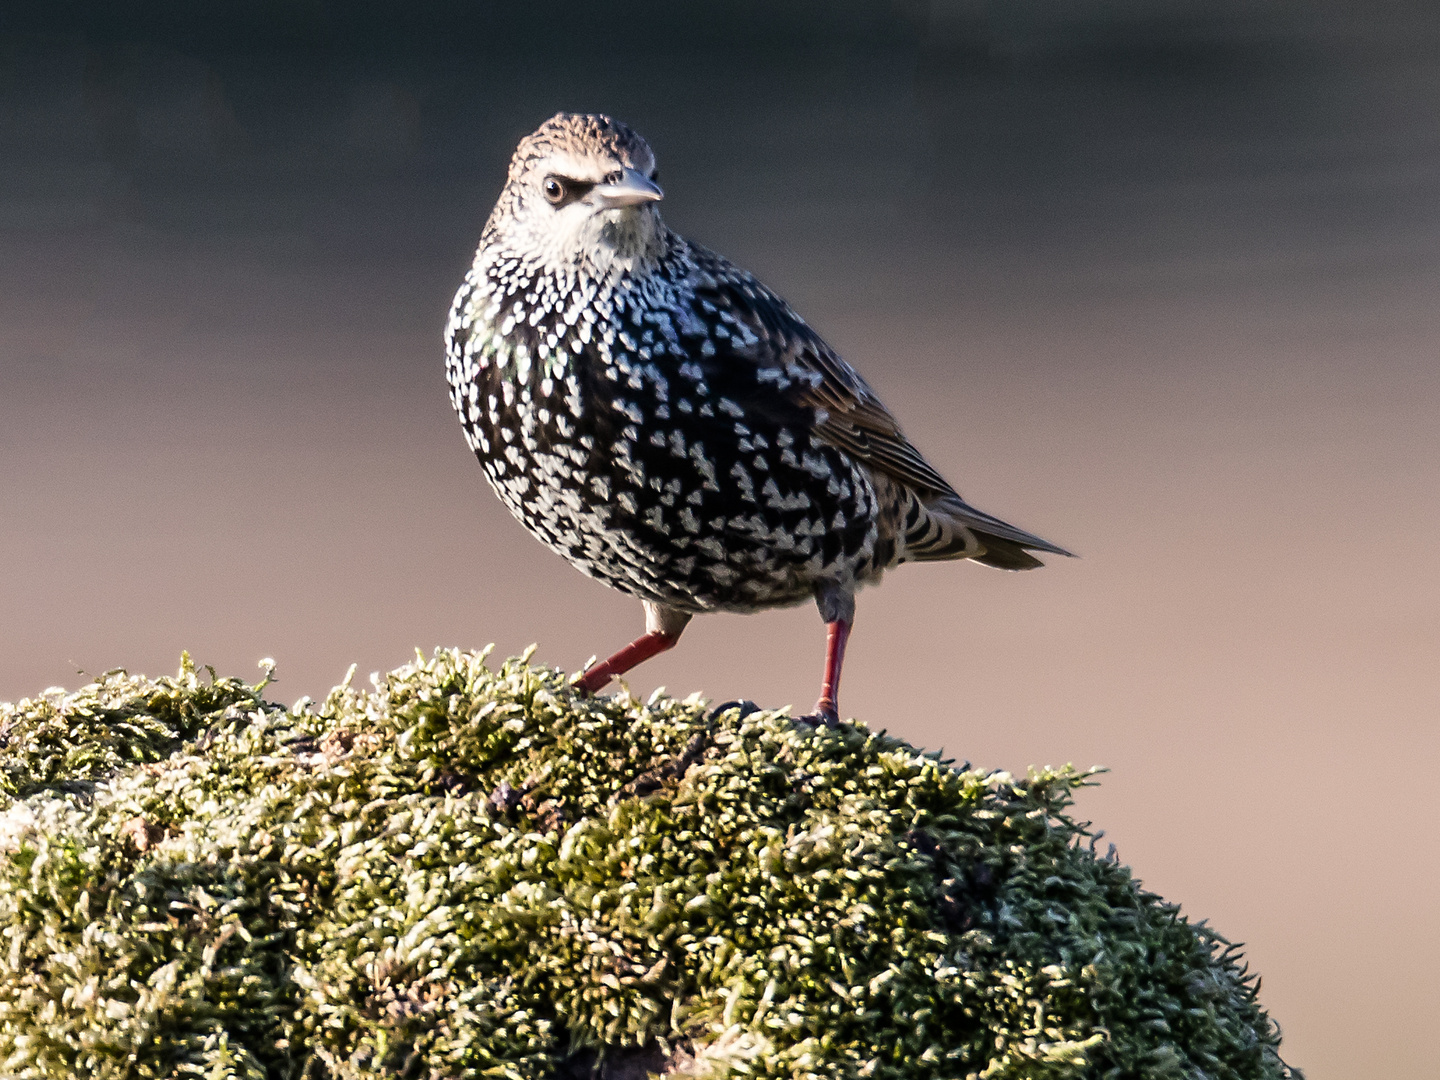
(947, 527)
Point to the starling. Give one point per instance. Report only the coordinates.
(668, 424)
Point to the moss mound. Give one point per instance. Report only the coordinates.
(475, 873)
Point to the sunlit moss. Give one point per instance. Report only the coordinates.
(470, 872)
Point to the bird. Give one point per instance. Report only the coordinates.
(669, 425)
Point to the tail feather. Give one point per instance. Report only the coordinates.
(1005, 555)
(950, 528)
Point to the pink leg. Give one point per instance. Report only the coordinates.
(826, 708)
(663, 627)
(638, 651)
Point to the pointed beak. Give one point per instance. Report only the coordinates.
(631, 189)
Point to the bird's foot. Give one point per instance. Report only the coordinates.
(745, 706)
(825, 713)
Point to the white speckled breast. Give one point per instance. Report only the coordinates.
(627, 427)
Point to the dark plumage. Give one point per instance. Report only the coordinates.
(669, 425)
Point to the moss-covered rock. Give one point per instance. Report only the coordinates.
(477, 873)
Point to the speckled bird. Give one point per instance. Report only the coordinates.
(668, 424)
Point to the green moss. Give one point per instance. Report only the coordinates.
(476, 873)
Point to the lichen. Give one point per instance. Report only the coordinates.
(476, 872)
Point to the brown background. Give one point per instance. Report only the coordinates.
(1158, 281)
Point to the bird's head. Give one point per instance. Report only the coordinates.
(581, 196)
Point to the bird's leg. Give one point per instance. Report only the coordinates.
(837, 608)
(663, 626)
(641, 649)
(827, 709)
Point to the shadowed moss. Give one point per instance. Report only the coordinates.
(476, 873)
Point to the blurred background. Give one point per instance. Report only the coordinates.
(1157, 279)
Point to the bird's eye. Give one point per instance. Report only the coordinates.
(554, 189)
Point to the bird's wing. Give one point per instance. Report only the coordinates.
(776, 367)
(856, 421)
(794, 368)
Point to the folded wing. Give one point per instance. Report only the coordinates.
(847, 414)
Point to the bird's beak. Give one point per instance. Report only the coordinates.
(631, 189)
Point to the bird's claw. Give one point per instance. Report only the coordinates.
(825, 713)
(745, 705)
